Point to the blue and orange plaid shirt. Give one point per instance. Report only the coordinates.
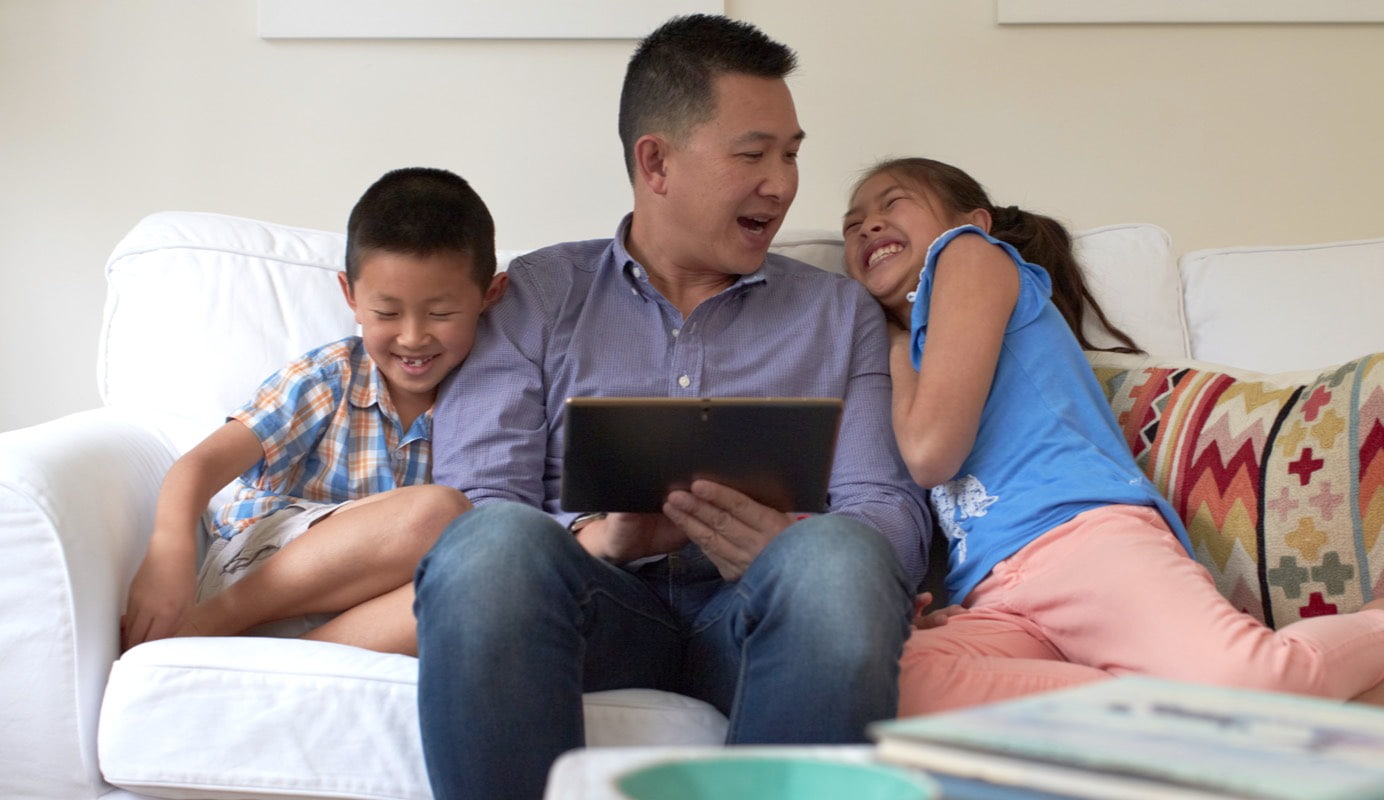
(330, 434)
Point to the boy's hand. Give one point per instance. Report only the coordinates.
(625, 537)
(730, 528)
(924, 619)
(161, 595)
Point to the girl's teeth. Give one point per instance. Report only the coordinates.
(887, 250)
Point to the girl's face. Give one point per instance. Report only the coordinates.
(888, 229)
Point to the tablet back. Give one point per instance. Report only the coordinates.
(627, 453)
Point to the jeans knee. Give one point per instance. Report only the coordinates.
(836, 555)
(842, 579)
(501, 549)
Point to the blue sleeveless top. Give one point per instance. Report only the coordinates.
(1048, 447)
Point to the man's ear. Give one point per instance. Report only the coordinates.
(981, 219)
(496, 290)
(651, 162)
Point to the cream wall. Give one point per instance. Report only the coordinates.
(111, 110)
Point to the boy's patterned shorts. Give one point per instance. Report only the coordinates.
(229, 560)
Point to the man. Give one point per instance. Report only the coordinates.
(792, 627)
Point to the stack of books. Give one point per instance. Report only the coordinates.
(1144, 739)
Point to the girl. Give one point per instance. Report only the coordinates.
(1071, 564)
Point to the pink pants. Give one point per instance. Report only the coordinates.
(1114, 593)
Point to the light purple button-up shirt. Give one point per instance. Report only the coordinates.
(582, 319)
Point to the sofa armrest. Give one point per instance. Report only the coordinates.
(77, 499)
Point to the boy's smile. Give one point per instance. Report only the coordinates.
(418, 317)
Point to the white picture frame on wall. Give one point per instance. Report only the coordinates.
(1032, 12)
(471, 19)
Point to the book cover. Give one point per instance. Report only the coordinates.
(1144, 738)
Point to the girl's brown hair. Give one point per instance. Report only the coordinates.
(1041, 240)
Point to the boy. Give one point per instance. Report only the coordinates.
(334, 451)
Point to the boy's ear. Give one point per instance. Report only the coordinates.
(981, 219)
(651, 162)
(496, 290)
(346, 290)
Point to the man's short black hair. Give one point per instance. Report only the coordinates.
(669, 81)
(422, 211)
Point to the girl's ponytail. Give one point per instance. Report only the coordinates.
(1046, 242)
(1039, 239)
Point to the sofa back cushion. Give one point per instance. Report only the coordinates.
(1132, 272)
(1130, 269)
(201, 308)
(1275, 309)
(1279, 478)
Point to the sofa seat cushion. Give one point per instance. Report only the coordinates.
(245, 717)
(1279, 478)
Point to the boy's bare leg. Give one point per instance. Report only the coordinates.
(385, 623)
(356, 554)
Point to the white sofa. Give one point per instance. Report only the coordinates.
(200, 308)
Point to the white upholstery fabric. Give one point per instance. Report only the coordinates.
(277, 718)
(76, 503)
(1280, 309)
(1132, 272)
(201, 307)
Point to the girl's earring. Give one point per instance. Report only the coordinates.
(911, 296)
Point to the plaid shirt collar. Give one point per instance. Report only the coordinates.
(369, 389)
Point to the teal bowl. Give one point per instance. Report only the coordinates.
(773, 778)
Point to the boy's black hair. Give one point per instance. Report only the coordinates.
(668, 84)
(421, 211)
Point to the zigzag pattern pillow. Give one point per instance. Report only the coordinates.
(1279, 478)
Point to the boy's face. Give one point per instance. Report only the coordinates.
(418, 318)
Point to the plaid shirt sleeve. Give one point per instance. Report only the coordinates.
(289, 413)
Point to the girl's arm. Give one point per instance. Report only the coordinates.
(937, 409)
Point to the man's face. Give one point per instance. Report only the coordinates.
(731, 182)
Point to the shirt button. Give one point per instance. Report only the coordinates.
(634, 291)
(676, 331)
(637, 272)
(684, 381)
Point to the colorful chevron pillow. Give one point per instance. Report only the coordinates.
(1279, 478)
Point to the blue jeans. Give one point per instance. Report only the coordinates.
(516, 621)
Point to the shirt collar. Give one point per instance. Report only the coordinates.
(638, 275)
(367, 382)
(368, 389)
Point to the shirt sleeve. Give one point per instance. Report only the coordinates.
(490, 418)
(1035, 288)
(289, 413)
(869, 479)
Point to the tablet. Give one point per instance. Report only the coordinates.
(628, 453)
